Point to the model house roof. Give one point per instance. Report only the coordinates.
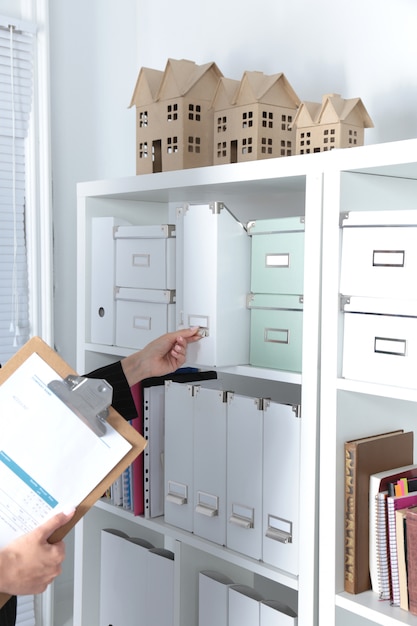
(259, 87)
(333, 109)
(179, 78)
(147, 86)
(225, 93)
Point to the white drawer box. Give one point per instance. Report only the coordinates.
(281, 466)
(103, 263)
(142, 315)
(213, 598)
(276, 331)
(213, 264)
(277, 255)
(179, 455)
(379, 254)
(380, 342)
(145, 256)
(210, 431)
(274, 613)
(244, 606)
(244, 475)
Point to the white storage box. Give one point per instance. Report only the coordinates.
(380, 341)
(103, 263)
(281, 466)
(123, 575)
(179, 455)
(244, 475)
(213, 262)
(159, 589)
(379, 254)
(276, 331)
(244, 606)
(210, 420)
(145, 256)
(274, 613)
(142, 315)
(213, 598)
(277, 259)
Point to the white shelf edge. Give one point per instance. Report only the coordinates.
(266, 374)
(374, 389)
(158, 524)
(241, 370)
(368, 605)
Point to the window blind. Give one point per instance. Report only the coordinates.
(16, 85)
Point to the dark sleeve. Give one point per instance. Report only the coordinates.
(8, 612)
(122, 397)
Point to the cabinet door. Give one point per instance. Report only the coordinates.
(215, 260)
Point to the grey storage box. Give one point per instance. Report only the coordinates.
(276, 331)
(277, 259)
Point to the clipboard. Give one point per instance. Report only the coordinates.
(135, 439)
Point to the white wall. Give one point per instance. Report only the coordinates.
(361, 48)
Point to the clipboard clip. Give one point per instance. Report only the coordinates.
(88, 398)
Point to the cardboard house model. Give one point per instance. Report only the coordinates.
(253, 118)
(192, 116)
(333, 123)
(174, 116)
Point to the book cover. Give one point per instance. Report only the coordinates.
(363, 457)
(411, 536)
(381, 579)
(380, 483)
(401, 523)
(395, 503)
(138, 505)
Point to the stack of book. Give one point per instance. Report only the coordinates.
(393, 536)
(381, 518)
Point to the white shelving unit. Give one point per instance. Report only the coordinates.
(373, 178)
(272, 188)
(317, 186)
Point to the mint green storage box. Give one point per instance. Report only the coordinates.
(276, 333)
(277, 260)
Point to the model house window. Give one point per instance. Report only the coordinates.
(172, 145)
(221, 149)
(286, 148)
(247, 119)
(143, 150)
(143, 119)
(352, 137)
(266, 145)
(247, 145)
(267, 119)
(194, 144)
(194, 112)
(221, 124)
(172, 112)
(285, 121)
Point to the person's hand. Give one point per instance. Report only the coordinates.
(161, 356)
(29, 564)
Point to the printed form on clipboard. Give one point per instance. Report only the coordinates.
(50, 459)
